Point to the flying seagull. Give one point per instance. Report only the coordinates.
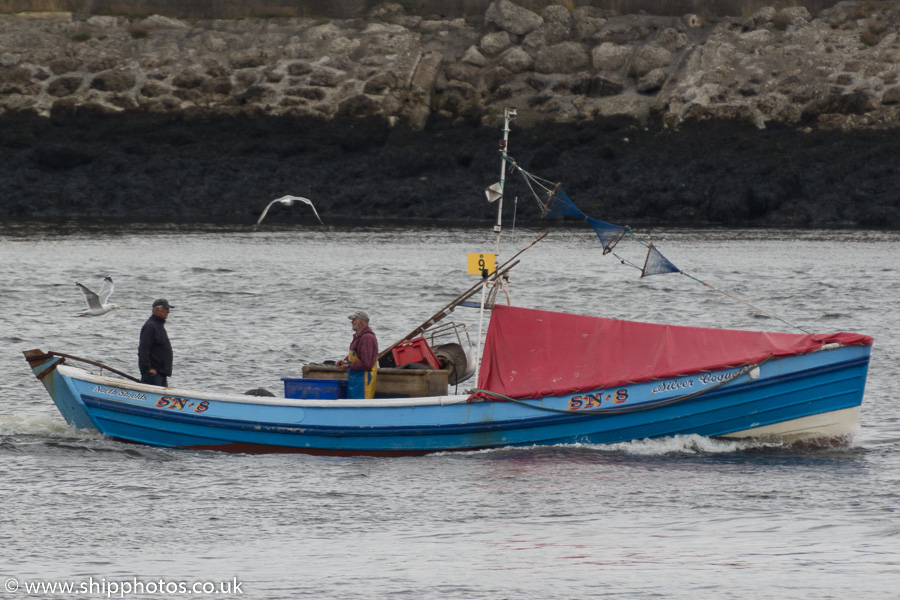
(287, 201)
(96, 303)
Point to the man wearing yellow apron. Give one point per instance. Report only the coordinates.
(361, 362)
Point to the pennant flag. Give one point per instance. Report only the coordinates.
(657, 264)
(608, 234)
(559, 204)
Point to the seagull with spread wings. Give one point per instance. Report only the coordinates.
(287, 201)
(96, 303)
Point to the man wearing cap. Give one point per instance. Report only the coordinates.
(154, 350)
(361, 363)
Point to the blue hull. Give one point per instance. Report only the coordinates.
(765, 400)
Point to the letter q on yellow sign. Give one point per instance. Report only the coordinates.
(483, 260)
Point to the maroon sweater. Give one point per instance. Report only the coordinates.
(366, 346)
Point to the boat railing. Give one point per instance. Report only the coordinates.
(438, 335)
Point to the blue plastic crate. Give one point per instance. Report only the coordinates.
(314, 389)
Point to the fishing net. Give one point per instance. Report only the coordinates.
(657, 264)
(560, 205)
(608, 234)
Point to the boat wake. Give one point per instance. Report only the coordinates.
(696, 444)
(19, 430)
(39, 425)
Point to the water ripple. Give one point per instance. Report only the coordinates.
(686, 517)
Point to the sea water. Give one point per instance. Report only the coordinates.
(684, 517)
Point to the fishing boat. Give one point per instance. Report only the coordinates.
(541, 378)
(548, 378)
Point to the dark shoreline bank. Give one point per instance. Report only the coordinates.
(142, 167)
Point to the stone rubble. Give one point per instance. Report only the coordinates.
(839, 69)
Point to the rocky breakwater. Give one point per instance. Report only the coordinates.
(774, 119)
(839, 69)
(297, 67)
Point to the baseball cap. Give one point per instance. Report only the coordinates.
(161, 302)
(360, 314)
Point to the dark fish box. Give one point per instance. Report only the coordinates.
(314, 389)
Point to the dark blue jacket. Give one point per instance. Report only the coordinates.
(154, 350)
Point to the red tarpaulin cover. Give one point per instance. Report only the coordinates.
(534, 353)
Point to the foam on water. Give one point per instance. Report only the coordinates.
(687, 444)
(696, 444)
(40, 425)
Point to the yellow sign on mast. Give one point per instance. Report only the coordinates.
(480, 261)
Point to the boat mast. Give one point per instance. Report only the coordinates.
(508, 115)
(494, 192)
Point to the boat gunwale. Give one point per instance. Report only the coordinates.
(119, 405)
(77, 373)
(82, 375)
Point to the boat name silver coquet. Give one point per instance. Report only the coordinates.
(120, 392)
(703, 379)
